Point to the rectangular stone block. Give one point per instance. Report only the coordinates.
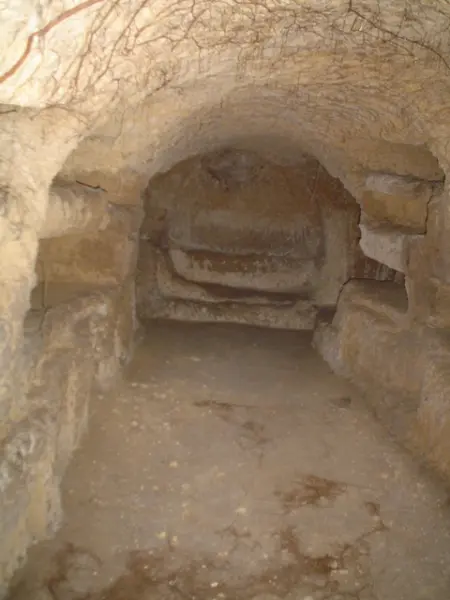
(397, 200)
(387, 299)
(103, 259)
(260, 273)
(386, 245)
(76, 345)
(368, 339)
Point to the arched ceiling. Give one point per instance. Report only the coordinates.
(360, 84)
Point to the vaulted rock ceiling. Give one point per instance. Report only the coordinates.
(134, 87)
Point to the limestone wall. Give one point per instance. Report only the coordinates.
(77, 336)
(232, 236)
(70, 348)
(393, 340)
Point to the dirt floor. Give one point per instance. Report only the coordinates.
(232, 464)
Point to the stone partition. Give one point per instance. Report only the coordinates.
(392, 340)
(78, 335)
(72, 347)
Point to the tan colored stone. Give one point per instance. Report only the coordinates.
(299, 316)
(430, 302)
(432, 433)
(368, 339)
(124, 188)
(386, 298)
(235, 202)
(103, 258)
(343, 257)
(72, 209)
(244, 221)
(262, 273)
(386, 245)
(340, 241)
(426, 267)
(81, 342)
(397, 201)
(173, 287)
(29, 498)
(146, 287)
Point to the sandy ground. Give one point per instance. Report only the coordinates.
(232, 464)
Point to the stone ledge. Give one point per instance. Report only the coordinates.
(173, 287)
(105, 258)
(397, 200)
(397, 212)
(386, 300)
(263, 274)
(300, 316)
(386, 245)
(78, 344)
(367, 340)
(394, 184)
(238, 233)
(104, 319)
(100, 258)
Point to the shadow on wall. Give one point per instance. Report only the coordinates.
(230, 236)
(78, 335)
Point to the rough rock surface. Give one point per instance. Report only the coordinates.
(247, 479)
(106, 94)
(231, 226)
